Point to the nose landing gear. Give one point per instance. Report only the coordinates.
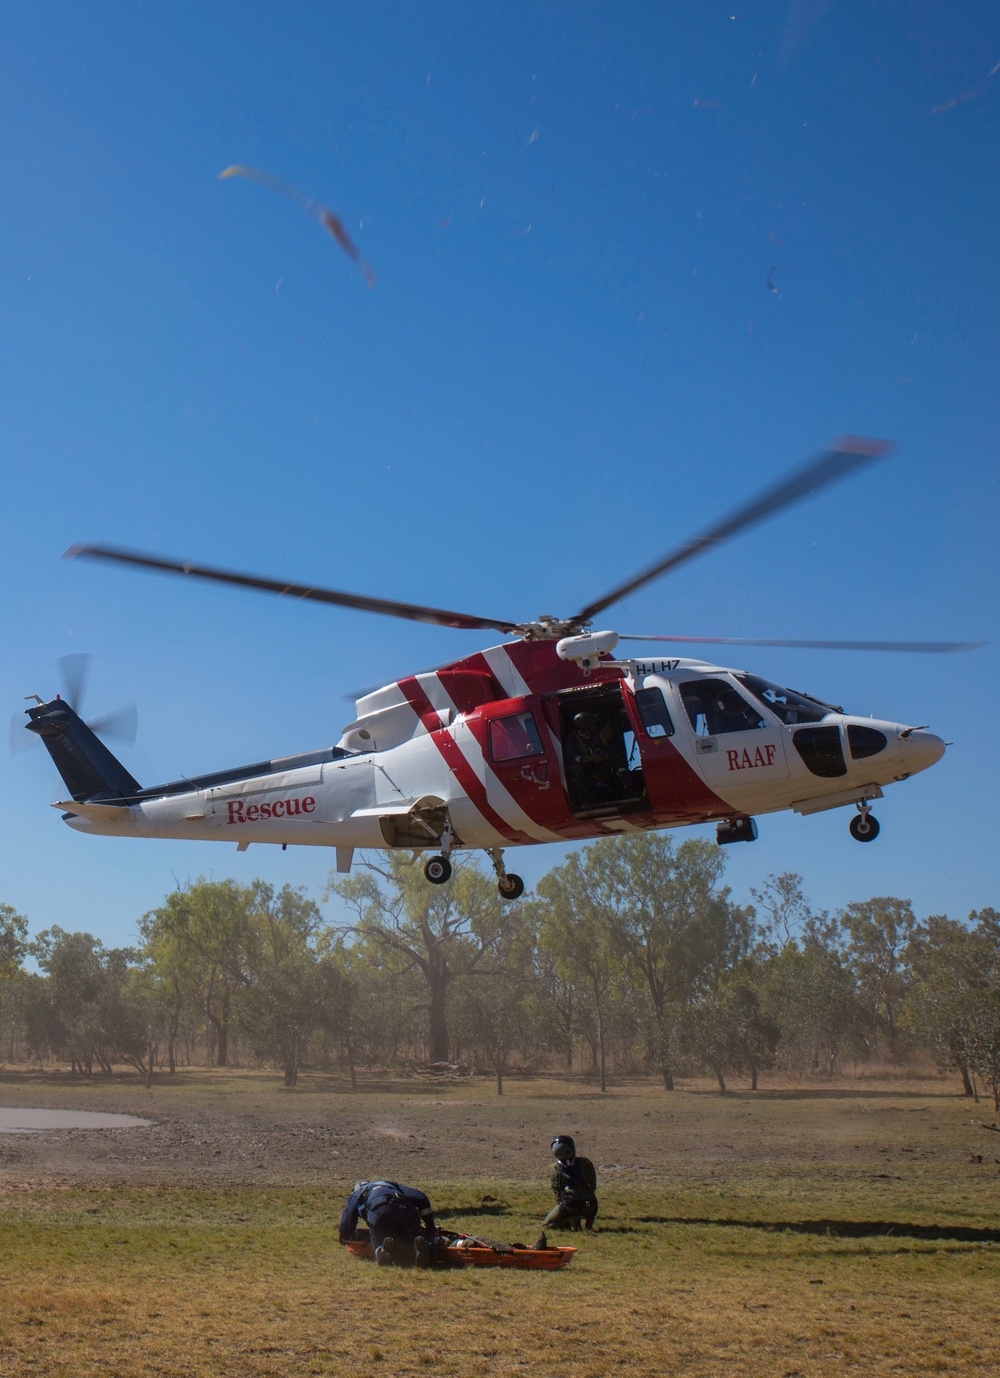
(864, 825)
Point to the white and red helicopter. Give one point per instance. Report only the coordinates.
(547, 738)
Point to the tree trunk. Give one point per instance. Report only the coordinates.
(721, 1080)
(753, 1076)
(349, 1049)
(966, 1083)
(438, 1046)
(668, 1077)
(600, 1042)
(499, 1071)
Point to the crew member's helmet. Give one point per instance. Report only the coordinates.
(585, 722)
(563, 1147)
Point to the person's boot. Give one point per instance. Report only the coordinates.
(541, 1242)
(421, 1252)
(384, 1252)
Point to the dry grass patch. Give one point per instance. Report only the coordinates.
(798, 1233)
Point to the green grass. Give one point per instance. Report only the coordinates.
(240, 1282)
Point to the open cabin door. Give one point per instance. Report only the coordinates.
(602, 766)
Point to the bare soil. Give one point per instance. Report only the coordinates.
(234, 1128)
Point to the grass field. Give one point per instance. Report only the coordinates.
(801, 1231)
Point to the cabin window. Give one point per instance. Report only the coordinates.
(865, 741)
(714, 707)
(513, 737)
(786, 704)
(821, 750)
(653, 712)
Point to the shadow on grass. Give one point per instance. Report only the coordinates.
(464, 1212)
(842, 1229)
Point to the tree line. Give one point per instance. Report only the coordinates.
(631, 956)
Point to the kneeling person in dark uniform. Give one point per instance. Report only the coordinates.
(400, 1222)
(574, 1182)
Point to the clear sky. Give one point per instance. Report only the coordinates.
(571, 360)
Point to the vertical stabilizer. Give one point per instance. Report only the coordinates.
(88, 769)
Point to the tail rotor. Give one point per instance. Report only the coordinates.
(74, 671)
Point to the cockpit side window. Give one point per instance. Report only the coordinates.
(653, 712)
(714, 707)
(786, 704)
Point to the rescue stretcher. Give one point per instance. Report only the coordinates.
(468, 1251)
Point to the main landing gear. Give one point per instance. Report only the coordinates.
(438, 871)
(864, 826)
(511, 887)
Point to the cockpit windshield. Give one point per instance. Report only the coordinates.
(790, 707)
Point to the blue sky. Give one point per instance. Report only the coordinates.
(571, 360)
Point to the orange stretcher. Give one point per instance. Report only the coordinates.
(467, 1251)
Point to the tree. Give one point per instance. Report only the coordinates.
(785, 908)
(497, 1004)
(199, 939)
(880, 932)
(664, 917)
(809, 992)
(574, 935)
(730, 1032)
(442, 931)
(77, 1012)
(250, 955)
(13, 941)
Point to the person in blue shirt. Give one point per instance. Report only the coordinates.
(400, 1222)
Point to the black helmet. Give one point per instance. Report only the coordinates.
(563, 1147)
(584, 722)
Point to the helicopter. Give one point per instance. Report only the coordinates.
(546, 738)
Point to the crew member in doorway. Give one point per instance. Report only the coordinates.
(590, 760)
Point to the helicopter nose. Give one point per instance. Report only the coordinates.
(920, 749)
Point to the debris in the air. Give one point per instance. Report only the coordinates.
(709, 104)
(330, 222)
(993, 70)
(770, 275)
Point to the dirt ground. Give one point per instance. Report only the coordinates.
(235, 1128)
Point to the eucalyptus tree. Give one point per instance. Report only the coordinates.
(664, 920)
(14, 982)
(76, 1010)
(879, 932)
(497, 1004)
(574, 935)
(13, 941)
(198, 940)
(247, 954)
(441, 931)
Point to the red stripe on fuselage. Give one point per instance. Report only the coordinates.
(456, 762)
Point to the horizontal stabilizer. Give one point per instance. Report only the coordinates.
(97, 813)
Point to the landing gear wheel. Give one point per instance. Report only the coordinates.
(511, 887)
(864, 827)
(437, 870)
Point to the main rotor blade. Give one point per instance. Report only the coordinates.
(918, 646)
(846, 455)
(389, 607)
(73, 670)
